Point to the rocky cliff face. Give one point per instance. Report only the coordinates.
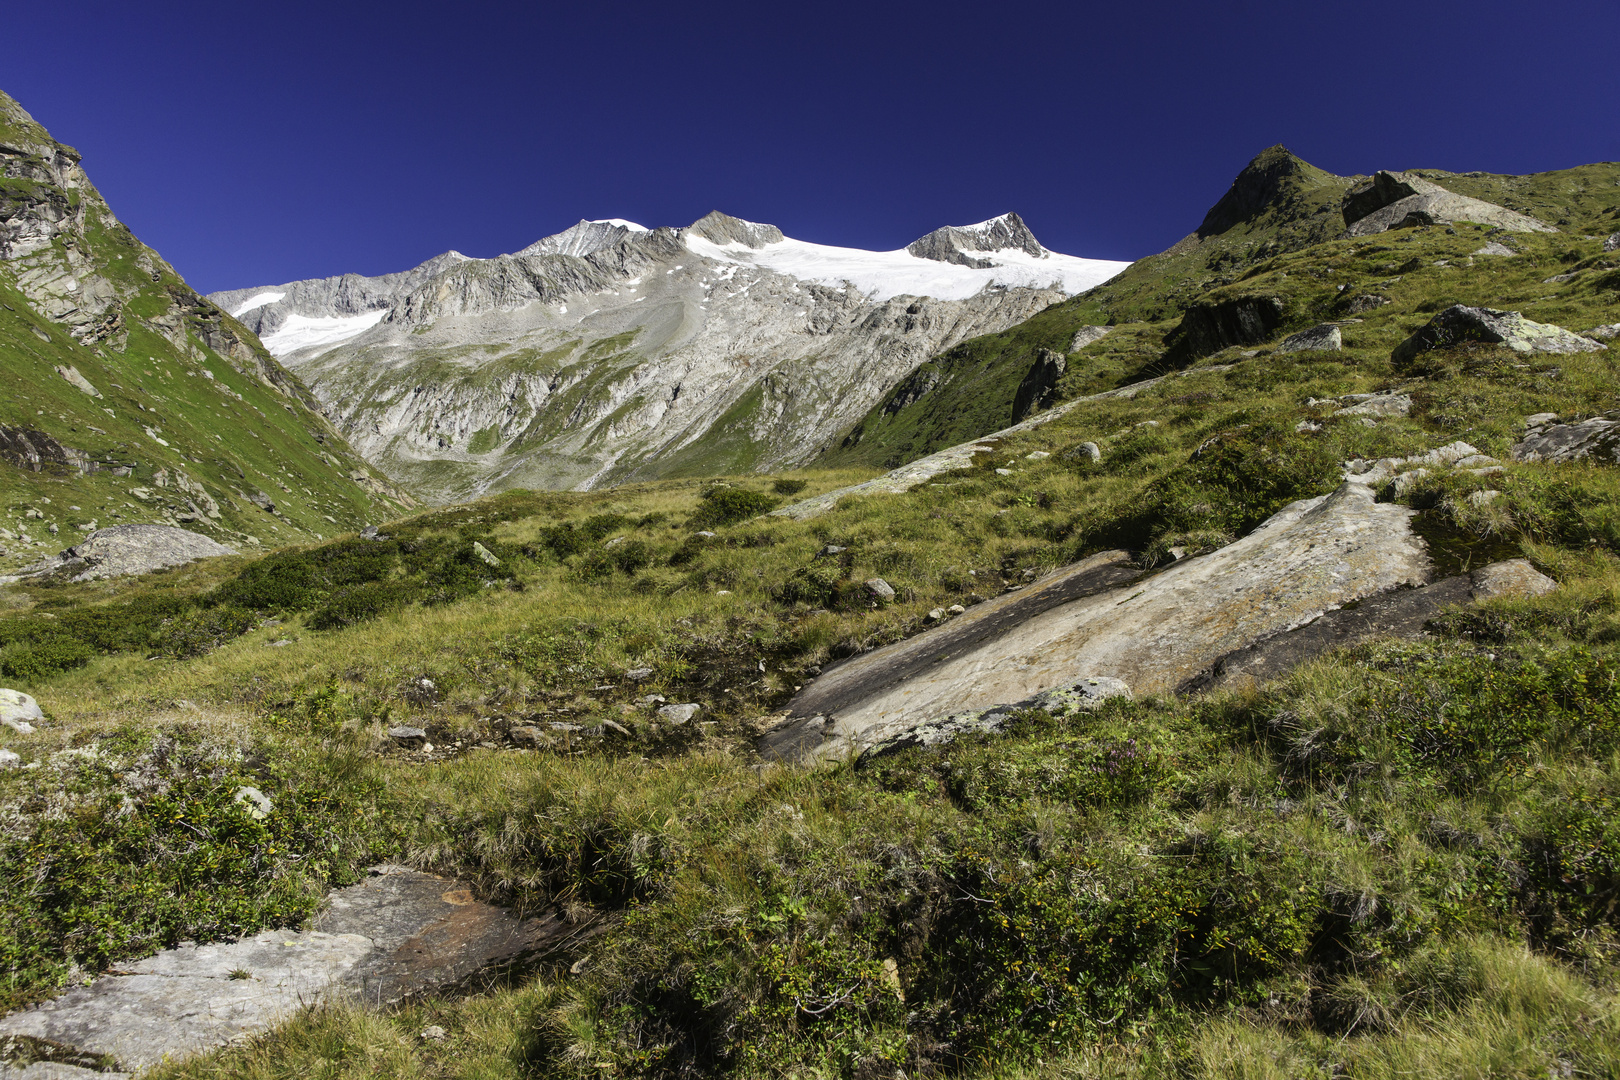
(611, 352)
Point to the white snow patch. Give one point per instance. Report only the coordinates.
(621, 223)
(881, 275)
(257, 300)
(308, 332)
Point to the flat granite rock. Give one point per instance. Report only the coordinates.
(130, 549)
(1153, 635)
(1597, 439)
(398, 933)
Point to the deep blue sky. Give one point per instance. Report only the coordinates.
(258, 143)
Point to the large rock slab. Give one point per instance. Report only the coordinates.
(1460, 323)
(1597, 439)
(1397, 200)
(398, 933)
(1311, 557)
(130, 549)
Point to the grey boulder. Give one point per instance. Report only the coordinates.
(1084, 695)
(121, 550)
(19, 712)
(1597, 439)
(1612, 243)
(1322, 338)
(1460, 323)
(1088, 335)
(679, 714)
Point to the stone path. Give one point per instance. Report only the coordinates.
(397, 933)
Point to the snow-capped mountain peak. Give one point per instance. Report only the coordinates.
(587, 236)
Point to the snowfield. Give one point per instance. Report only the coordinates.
(305, 332)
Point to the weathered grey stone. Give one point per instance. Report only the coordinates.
(1597, 439)
(1460, 323)
(486, 556)
(879, 589)
(1493, 247)
(1612, 242)
(1387, 404)
(1540, 420)
(1606, 332)
(1397, 200)
(130, 549)
(79, 382)
(52, 1070)
(639, 674)
(1088, 335)
(1083, 696)
(255, 802)
(1513, 577)
(1208, 328)
(21, 708)
(397, 933)
(405, 733)
(679, 714)
(1312, 556)
(1088, 451)
(9, 759)
(1322, 338)
(1367, 302)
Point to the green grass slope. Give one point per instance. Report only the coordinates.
(191, 421)
(1281, 217)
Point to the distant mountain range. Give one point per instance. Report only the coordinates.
(613, 352)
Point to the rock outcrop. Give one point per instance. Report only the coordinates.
(399, 932)
(1597, 439)
(1154, 634)
(1039, 385)
(1206, 329)
(130, 549)
(1460, 324)
(1393, 200)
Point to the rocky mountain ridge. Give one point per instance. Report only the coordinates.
(612, 352)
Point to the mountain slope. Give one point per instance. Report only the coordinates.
(1167, 310)
(611, 352)
(132, 398)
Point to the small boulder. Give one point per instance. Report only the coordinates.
(879, 589)
(1513, 577)
(830, 550)
(1086, 451)
(1322, 338)
(1360, 305)
(1605, 332)
(485, 556)
(1387, 404)
(1596, 439)
(1493, 247)
(956, 609)
(404, 733)
(255, 802)
(680, 714)
(1088, 335)
(639, 674)
(1460, 323)
(19, 711)
(9, 759)
(1612, 243)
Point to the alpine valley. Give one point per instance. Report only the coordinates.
(610, 352)
(966, 661)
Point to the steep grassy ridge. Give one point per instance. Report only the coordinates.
(130, 398)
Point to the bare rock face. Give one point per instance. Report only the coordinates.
(1040, 384)
(1206, 329)
(131, 549)
(1597, 439)
(1401, 200)
(955, 244)
(397, 933)
(1460, 323)
(1311, 557)
(1088, 335)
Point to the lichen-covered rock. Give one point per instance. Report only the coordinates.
(1083, 696)
(1460, 323)
(1511, 577)
(18, 709)
(1088, 335)
(1391, 403)
(679, 714)
(1310, 557)
(1323, 338)
(130, 549)
(1597, 439)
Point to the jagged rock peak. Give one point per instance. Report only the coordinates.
(954, 243)
(723, 229)
(1272, 174)
(584, 238)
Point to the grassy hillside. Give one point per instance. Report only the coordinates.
(1273, 234)
(150, 404)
